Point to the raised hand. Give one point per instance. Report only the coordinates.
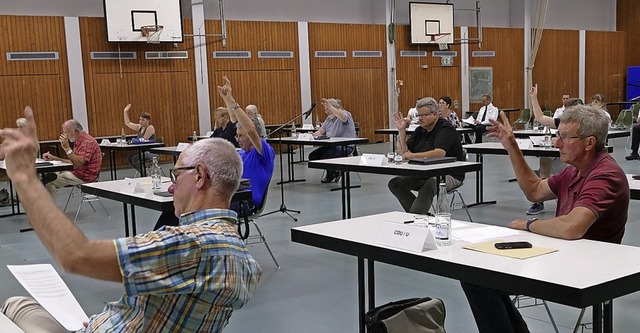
(401, 122)
(126, 108)
(501, 130)
(20, 147)
(533, 92)
(225, 91)
(64, 141)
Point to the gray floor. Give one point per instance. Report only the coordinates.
(315, 290)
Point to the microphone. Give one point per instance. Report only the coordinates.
(308, 113)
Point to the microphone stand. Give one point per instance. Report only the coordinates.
(283, 207)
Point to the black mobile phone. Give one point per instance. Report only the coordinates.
(513, 245)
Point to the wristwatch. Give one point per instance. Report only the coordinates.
(69, 152)
(237, 106)
(529, 221)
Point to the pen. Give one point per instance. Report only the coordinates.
(408, 222)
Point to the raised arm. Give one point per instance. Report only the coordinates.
(401, 124)
(128, 122)
(537, 111)
(338, 112)
(237, 113)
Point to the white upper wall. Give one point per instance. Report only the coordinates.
(561, 14)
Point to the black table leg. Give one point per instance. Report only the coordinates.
(126, 219)
(133, 221)
(480, 184)
(361, 293)
(371, 278)
(597, 318)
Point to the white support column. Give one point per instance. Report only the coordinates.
(76, 71)
(201, 68)
(582, 56)
(305, 72)
(464, 72)
(391, 67)
(527, 51)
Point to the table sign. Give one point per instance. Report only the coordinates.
(524, 143)
(130, 185)
(105, 142)
(372, 159)
(209, 134)
(182, 146)
(305, 136)
(405, 236)
(307, 126)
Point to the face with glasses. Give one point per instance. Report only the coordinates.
(427, 119)
(572, 147)
(184, 186)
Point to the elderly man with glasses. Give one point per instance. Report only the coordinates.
(592, 194)
(187, 278)
(435, 137)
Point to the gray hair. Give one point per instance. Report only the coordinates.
(430, 103)
(222, 161)
(591, 122)
(73, 124)
(252, 110)
(336, 103)
(254, 120)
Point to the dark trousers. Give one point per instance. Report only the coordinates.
(635, 138)
(479, 130)
(322, 153)
(493, 310)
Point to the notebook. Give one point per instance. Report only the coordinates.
(432, 160)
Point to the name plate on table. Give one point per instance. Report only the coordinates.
(305, 136)
(372, 159)
(182, 146)
(130, 185)
(209, 134)
(524, 143)
(405, 236)
(105, 142)
(307, 126)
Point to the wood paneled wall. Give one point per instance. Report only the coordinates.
(557, 66)
(360, 83)
(273, 85)
(164, 88)
(627, 18)
(508, 68)
(435, 80)
(43, 84)
(605, 67)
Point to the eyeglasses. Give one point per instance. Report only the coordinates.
(422, 115)
(565, 137)
(174, 176)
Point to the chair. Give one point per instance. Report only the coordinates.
(454, 192)
(524, 118)
(517, 300)
(259, 238)
(85, 197)
(624, 120)
(635, 110)
(547, 113)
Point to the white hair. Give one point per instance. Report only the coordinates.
(222, 161)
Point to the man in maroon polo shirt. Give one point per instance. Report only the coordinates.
(85, 157)
(592, 194)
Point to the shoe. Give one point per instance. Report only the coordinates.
(329, 177)
(536, 208)
(633, 156)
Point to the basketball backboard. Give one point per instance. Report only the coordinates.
(124, 19)
(431, 23)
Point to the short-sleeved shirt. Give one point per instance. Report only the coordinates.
(187, 278)
(452, 117)
(443, 136)
(334, 127)
(228, 133)
(87, 148)
(602, 188)
(258, 169)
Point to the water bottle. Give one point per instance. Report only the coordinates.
(123, 137)
(443, 217)
(397, 157)
(156, 172)
(195, 136)
(294, 133)
(547, 137)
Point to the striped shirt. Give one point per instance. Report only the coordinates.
(187, 278)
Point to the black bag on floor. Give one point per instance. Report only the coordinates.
(414, 315)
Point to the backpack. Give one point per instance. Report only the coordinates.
(414, 315)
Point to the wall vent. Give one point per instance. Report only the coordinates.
(367, 54)
(232, 54)
(331, 54)
(444, 53)
(166, 55)
(413, 53)
(479, 54)
(32, 56)
(275, 54)
(113, 55)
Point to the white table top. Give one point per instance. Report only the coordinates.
(578, 268)
(329, 141)
(356, 163)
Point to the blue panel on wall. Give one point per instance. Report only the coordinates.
(633, 83)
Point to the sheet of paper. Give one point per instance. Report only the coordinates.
(47, 287)
(480, 234)
(489, 247)
(469, 120)
(8, 326)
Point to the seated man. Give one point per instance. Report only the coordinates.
(257, 157)
(592, 194)
(85, 157)
(252, 112)
(435, 137)
(188, 278)
(224, 128)
(635, 141)
(339, 123)
(487, 113)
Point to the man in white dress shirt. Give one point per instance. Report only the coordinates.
(486, 113)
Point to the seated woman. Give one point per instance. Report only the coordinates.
(145, 131)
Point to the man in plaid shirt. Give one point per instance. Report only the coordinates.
(85, 157)
(186, 278)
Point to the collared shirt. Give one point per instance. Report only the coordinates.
(602, 188)
(442, 136)
(228, 133)
(187, 278)
(87, 148)
(491, 113)
(334, 127)
(558, 113)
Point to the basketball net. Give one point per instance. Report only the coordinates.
(152, 32)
